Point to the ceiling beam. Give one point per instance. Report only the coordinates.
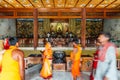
(40, 2)
(31, 3)
(88, 3)
(60, 17)
(20, 4)
(99, 3)
(110, 3)
(59, 9)
(65, 3)
(9, 3)
(2, 6)
(117, 6)
(65, 10)
(54, 3)
(43, 3)
(76, 3)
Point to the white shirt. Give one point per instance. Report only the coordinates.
(108, 67)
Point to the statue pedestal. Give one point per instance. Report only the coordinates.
(59, 66)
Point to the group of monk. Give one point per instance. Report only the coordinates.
(106, 55)
(46, 71)
(12, 61)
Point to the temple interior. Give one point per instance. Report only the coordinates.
(35, 22)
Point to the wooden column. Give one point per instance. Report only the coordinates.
(35, 30)
(83, 28)
(104, 13)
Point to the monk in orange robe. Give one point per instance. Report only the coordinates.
(46, 71)
(1, 53)
(4, 45)
(75, 57)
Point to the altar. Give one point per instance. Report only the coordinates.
(33, 57)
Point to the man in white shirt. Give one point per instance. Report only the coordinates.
(106, 67)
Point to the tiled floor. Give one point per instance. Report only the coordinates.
(33, 74)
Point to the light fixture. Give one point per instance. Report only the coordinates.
(6, 5)
(103, 5)
(10, 0)
(17, 5)
(27, 5)
(59, 5)
(107, 1)
(38, 5)
(35, 1)
(70, 5)
(91, 5)
(48, 5)
(82, 5)
(47, 1)
(113, 5)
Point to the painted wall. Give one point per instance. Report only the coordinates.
(7, 27)
(113, 27)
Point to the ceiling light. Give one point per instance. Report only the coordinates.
(70, 5)
(6, 5)
(17, 5)
(38, 5)
(48, 5)
(27, 5)
(82, 5)
(91, 5)
(106, 1)
(113, 5)
(47, 1)
(71, 2)
(103, 5)
(35, 1)
(10, 0)
(59, 5)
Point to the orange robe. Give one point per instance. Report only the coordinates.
(0, 62)
(75, 57)
(10, 67)
(46, 71)
(1, 54)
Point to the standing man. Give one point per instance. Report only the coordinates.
(13, 62)
(106, 67)
(75, 57)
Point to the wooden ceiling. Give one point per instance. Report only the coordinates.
(60, 4)
(59, 8)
